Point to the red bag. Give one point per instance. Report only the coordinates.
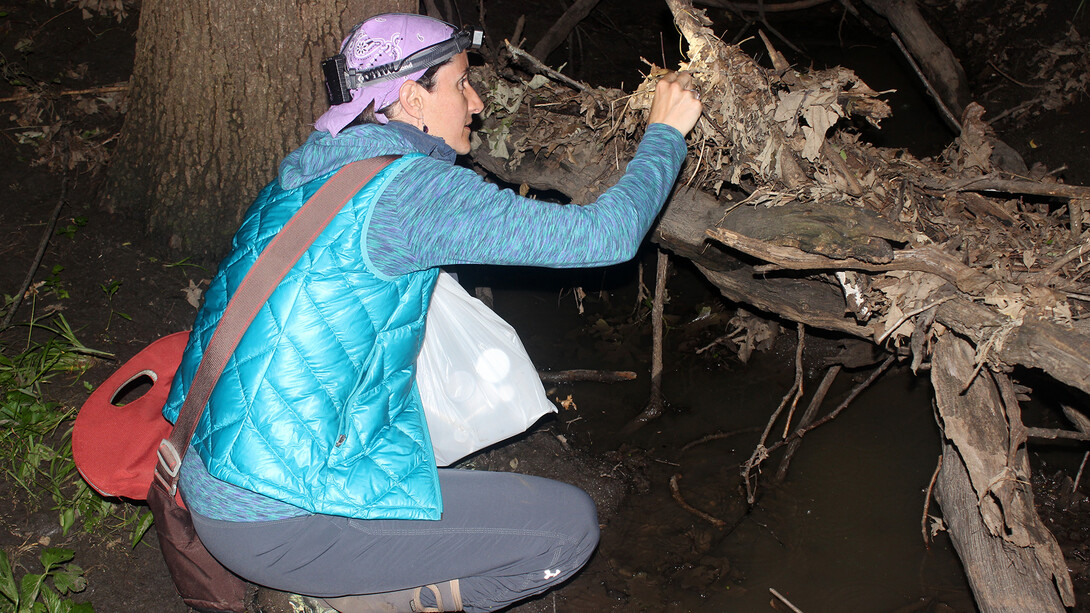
(114, 447)
(132, 451)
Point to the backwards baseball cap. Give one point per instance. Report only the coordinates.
(380, 54)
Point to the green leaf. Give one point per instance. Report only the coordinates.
(56, 555)
(70, 579)
(141, 528)
(28, 590)
(83, 607)
(7, 580)
(67, 519)
(51, 600)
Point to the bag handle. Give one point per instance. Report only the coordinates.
(264, 276)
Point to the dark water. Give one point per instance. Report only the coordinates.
(842, 533)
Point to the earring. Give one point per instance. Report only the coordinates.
(423, 126)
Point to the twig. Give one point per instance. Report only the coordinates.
(798, 379)
(654, 403)
(717, 436)
(858, 389)
(908, 315)
(1074, 254)
(579, 374)
(538, 65)
(760, 452)
(998, 336)
(1078, 475)
(18, 299)
(675, 491)
(801, 432)
(808, 417)
(106, 89)
(785, 600)
(1010, 78)
(927, 504)
(1055, 433)
(952, 121)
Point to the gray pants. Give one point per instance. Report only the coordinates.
(505, 536)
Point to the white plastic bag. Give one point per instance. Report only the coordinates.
(477, 384)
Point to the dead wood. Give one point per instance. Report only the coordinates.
(675, 491)
(982, 423)
(594, 376)
(942, 68)
(925, 259)
(807, 418)
(562, 28)
(654, 403)
(761, 453)
(1004, 578)
(784, 208)
(17, 297)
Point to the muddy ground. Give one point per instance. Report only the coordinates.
(123, 290)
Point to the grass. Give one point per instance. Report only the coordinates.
(36, 433)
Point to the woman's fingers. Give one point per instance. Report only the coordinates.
(676, 103)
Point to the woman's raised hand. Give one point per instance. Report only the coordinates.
(675, 104)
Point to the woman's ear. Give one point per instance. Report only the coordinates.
(410, 95)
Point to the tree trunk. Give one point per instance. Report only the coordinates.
(1013, 562)
(936, 60)
(220, 92)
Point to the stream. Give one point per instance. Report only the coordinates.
(841, 533)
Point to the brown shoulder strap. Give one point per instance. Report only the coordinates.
(264, 276)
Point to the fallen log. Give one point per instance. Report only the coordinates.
(783, 211)
(997, 570)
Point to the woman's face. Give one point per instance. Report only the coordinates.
(449, 108)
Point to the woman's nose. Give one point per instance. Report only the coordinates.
(476, 105)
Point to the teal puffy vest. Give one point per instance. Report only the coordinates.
(318, 406)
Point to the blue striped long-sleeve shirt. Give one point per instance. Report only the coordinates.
(438, 214)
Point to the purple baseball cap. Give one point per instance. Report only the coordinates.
(380, 40)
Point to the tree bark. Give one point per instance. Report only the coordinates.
(220, 92)
(563, 27)
(1012, 561)
(937, 61)
(998, 588)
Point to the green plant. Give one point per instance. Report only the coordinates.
(33, 592)
(183, 263)
(110, 289)
(76, 223)
(35, 442)
(53, 283)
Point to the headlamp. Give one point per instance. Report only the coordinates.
(340, 79)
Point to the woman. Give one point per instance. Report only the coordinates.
(311, 469)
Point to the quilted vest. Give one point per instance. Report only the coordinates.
(318, 405)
